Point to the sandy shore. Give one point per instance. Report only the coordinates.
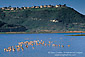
(41, 32)
(70, 32)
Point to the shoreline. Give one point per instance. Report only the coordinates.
(77, 35)
(71, 32)
(41, 32)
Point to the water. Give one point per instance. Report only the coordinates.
(76, 49)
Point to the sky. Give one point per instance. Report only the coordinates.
(78, 5)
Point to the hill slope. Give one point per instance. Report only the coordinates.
(44, 19)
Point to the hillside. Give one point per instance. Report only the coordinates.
(42, 20)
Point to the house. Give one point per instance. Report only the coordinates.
(25, 7)
(61, 5)
(21, 8)
(8, 9)
(54, 20)
(49, 6)
(57, 6)
(33, 6)
(11, 8)
(14, 8)
(41, 6)
(17, 8)
(37, 7)
(45, 6)
(28, 7)
(4, 8)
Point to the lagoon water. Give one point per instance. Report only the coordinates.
(76, 49)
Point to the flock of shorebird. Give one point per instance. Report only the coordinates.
(32, 43)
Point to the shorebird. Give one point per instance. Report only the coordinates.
(9, 47)
(59, 45)
(68, 45)
(18, 49)
(22, 48)
(41, 40)
(21, 45)
(32, 47)
(62, 45)
(48, 44)
(45, 44)
(25, 42)
(53, 45)
(56, 45)
(4, 49)
(26, 46)
(13, 49)
(18, 46)
(7, 50)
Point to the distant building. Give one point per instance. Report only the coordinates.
(21, 8)
(28, 7)
(12, 9)
(41, 6)
(37, 7)
(45, 6)
(57, 6)
(49, 6)
(33, 6)
(8, 9)
(4, 8)
(17, 8)
(61, 5)
(54, 20)
(25, 7)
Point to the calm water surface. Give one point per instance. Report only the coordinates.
(76, 49)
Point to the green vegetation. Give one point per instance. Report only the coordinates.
(77, 35)
(39, 20)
